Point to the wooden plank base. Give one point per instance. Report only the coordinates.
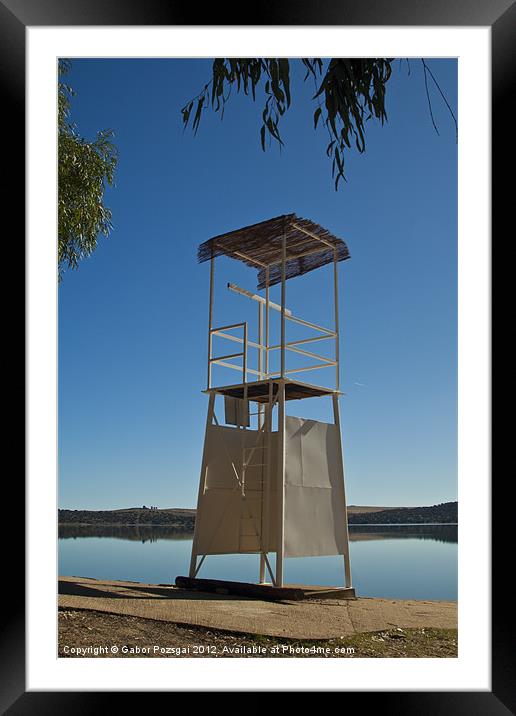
(290, 592)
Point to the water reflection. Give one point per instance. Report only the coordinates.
(392, 561)
(357, 533)
(438, 533)
(135, 533)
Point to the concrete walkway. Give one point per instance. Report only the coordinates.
(314, 619)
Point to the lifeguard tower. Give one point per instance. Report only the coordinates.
(272, 484)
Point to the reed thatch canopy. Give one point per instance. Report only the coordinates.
(308, 246)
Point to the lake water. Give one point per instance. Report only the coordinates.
(398, 561)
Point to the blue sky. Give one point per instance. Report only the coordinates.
(133, 318)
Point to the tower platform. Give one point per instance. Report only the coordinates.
(258, 391)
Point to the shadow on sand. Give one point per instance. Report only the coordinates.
(128, 589)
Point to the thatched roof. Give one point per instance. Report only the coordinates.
(260, 246)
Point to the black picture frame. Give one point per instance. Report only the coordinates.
(500, 15)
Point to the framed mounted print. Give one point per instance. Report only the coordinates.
(258, 367)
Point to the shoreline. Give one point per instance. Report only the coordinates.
(109, 618)
(309, 619)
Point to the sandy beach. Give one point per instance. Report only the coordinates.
(108, 618)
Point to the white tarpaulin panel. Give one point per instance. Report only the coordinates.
(314, 489)
(236, 411)
(230, 515)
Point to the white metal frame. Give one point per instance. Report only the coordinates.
(286, 315)
(265, 412)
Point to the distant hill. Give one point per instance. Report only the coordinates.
(174, 518)
(183, 520)
(358, 509)
(446, 512)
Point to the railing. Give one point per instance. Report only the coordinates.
(221, 360)
(293, 346)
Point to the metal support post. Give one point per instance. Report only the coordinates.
(347, 567)
(202, 484)
(281, 484)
